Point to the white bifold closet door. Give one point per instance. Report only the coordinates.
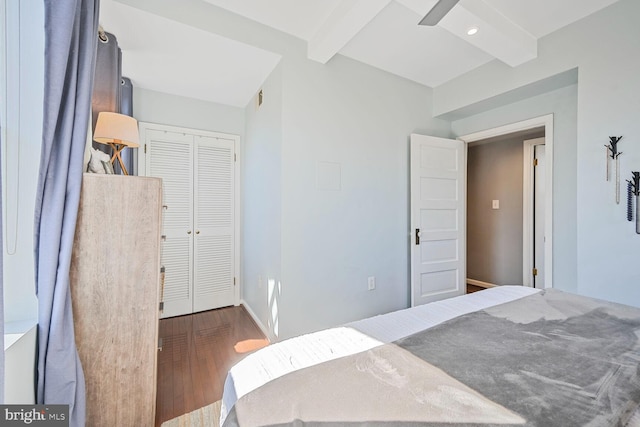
(170, 157)
(198, 251)
(213, 223)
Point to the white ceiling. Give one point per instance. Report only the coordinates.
(300, 18)
(167, 56)
(184, 60)
(394, 42)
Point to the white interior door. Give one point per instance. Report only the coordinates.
(438, 218)
(539, 196)
(170, 157)
(214, 223)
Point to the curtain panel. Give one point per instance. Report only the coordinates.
(1, 290)
(71, 29)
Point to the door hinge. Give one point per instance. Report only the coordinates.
(535, 271)
(145, 148)
(535, 162)
(234, 281)
(417, 236)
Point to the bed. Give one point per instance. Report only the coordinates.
(510, 355)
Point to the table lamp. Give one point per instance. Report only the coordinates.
(118, 131)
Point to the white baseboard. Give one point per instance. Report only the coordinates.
(256, 319)
(480, 283)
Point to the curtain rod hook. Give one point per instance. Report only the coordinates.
(102, 35)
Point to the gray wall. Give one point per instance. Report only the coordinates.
(494, 237)
(595, 248)
(162, 108)
(261, 205)
(360, 118)
(562, 103)
(344, 113)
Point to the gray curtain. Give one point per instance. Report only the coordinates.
(106, 87)
(113, 93)
(71, 28)
(130, 155)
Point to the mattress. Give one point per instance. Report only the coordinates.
(280, 359)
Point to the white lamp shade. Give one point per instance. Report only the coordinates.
(116, 128)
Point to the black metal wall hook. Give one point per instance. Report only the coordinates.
(633, 189)
(635, 183)
(613, 162)
(630, 204)
(613, 146)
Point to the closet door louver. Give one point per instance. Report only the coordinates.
(170, 157)
(214, 223)
(199, 249)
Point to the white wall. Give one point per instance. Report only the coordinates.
(342, 113)
(562, 103)
(604, 48)
(20, 363)
(346, 113)
(261, 160)
(308, 251)
(165, 109)
(357, 119)
(22, 95)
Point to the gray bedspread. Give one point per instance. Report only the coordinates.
(550, 359)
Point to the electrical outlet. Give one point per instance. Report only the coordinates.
(371, 283)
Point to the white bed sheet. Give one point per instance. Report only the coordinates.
(301, 352)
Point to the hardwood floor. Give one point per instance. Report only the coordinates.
(474, 288)
(197, 352)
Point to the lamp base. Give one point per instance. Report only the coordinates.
(117, 148)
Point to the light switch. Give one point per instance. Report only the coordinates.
(495, 204)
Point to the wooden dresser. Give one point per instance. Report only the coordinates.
(115, 271)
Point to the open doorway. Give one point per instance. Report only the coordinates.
(509, 205)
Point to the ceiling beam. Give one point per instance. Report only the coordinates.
(343, 24)
(497, 35)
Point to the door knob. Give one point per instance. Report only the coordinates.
(198, 232)
(189, 232)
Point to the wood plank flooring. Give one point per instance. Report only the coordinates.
(474, 288)
(197, 352)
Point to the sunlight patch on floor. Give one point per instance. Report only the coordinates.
(248, 346)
